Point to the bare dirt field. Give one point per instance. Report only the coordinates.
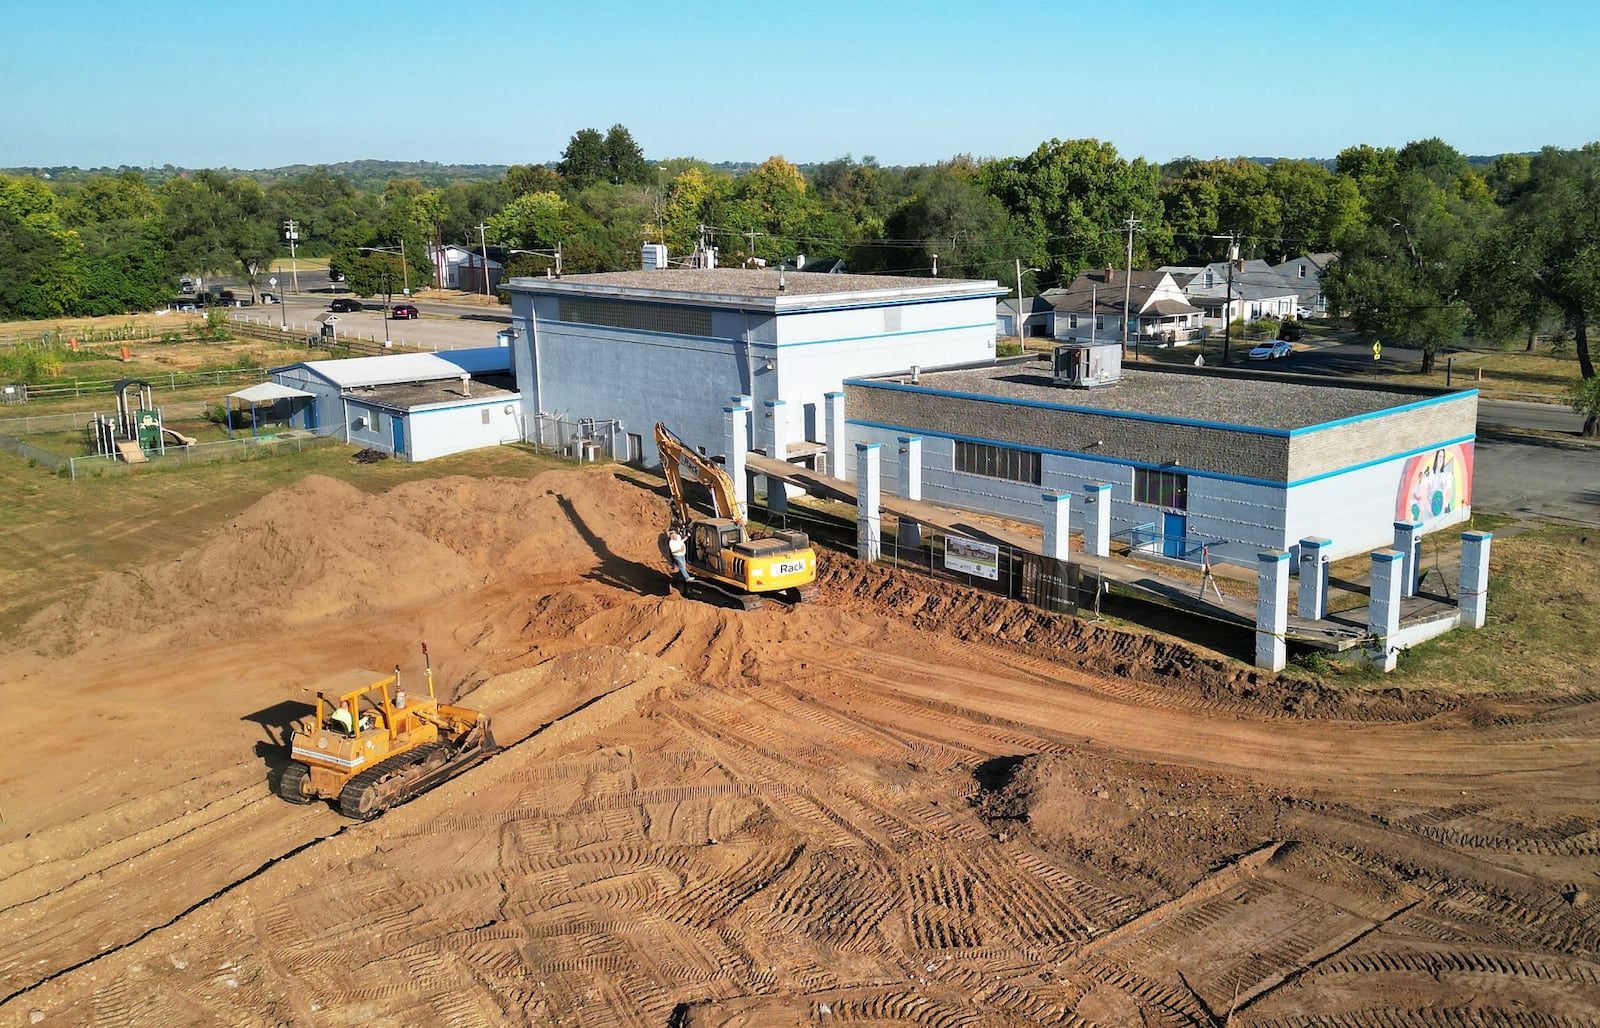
(903, 804)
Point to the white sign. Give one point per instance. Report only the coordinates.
(972, 557)
(788, 567)
(272, 281)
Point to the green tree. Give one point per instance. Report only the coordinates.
(583, 162)
(625, 162)
(1545, 255)
(218, 224)
(951, 216)
(1073, 197)
(1400, 275)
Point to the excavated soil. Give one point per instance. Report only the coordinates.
(906, 803)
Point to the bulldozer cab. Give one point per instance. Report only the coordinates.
(357, 703)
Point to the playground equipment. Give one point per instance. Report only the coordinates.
(136, 431)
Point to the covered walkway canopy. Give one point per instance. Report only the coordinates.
(266, 392)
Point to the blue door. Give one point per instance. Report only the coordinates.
(397, 426)
(1173, 527)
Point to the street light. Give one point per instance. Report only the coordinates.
(1022, 319)
(383, 276)
(555, 254)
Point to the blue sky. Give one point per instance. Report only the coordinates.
(219, 84)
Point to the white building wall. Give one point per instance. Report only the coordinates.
(643, 377)
(1357, 509)
(438, 431)
(1248, 513)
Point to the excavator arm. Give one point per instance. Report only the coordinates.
(675, 453)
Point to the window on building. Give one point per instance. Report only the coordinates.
(998, 462)
(1211, 278)
(1072, 321)
(485, 415)
(1099, 322)
(645, 317)
(1302, 270)
(1168, 489)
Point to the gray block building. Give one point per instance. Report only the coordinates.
(1198, 460)
(622, 350)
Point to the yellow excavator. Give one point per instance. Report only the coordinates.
(730, 565)
(370, 746)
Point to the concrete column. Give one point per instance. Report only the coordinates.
(1057, 521)
(1474, 578)
(1272, 609)
(869, 496)
(838, 465)
(1097, 519)
(776, 434)
(736, 423)
(910, 534)
(1383, 609)
(1313, 578)
(1408, 540)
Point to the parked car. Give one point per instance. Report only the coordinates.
(345, 303)
(1267, 351)
(269, 297)
(403, 310)
(1303, 312)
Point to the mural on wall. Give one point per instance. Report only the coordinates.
(1435, 484)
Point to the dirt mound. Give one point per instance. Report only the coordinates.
(321, 548)
(1165, 824)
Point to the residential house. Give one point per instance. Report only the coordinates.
(1306, 275)
(462, 267)
(1158, 313)
(1037, 319)
(1258, 292)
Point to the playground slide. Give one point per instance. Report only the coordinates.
(179, 436)
(130, 451)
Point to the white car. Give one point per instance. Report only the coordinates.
(1268, 351)
(1303, 313)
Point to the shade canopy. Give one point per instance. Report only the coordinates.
(266, 392)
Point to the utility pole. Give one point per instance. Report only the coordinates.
(292, 232)
(1127, 286)
(483, 248)
(751, 235)
(1227, 303)
(1022, 319)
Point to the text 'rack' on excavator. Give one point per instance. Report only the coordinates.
(730, 565)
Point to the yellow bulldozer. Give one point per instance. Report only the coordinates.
(730, 565)
(370, 745)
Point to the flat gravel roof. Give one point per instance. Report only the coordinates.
(1191, 396)
(749, 284)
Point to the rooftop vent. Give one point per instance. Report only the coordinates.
(654, 256)
(1087, 365)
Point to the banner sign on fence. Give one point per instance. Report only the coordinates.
(972, 557)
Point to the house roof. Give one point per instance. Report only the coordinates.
(392, 368)
(1101, 292)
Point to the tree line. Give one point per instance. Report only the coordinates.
(1432, 245)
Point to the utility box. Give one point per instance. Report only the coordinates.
(1086, 365)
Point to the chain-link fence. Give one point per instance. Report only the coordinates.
(586, 439)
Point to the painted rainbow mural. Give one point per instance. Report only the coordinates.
(1435, 484)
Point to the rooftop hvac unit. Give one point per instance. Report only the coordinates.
(654, 256)
(1086, 365)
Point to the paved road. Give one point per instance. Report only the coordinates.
(442, 326)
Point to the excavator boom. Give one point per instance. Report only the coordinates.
(674, 454)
